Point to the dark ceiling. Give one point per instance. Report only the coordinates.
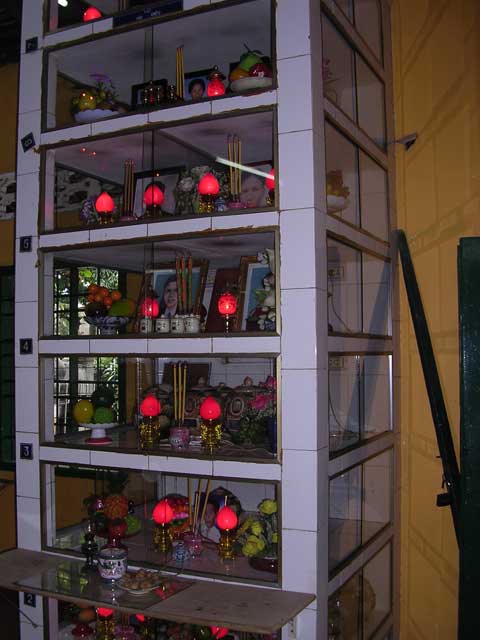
(10, 26)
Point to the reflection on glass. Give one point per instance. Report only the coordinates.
(344, 611)
(368, 23)
(120, 502)
(338, 69)
(375, 295)
(345, 516)
(373, 197)
(344, 270)
(342, 176)
(359, 506)
(359, 399)
(377, 574)
(370, 101)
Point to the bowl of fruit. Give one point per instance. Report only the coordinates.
(97, 415)
(97, 102)
(337, 192)
(107, 310)
(252, 72)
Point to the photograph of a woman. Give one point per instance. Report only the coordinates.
(169, 297)
(254, 191)
(166, 287)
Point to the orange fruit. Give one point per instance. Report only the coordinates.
(103, 291)
(107, 301)
(91, 297)
(238, 73)
(92, 288)
(115, 295)
(98, 297)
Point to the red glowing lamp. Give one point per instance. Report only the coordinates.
(91, 14)
(104, 204)
(226, 519)
(219, 632)
(227, 304)
(102, 612)
(150, 308)
(150, 407)
(140, 617)
(210, 409)
(162, 513)
(215, 88)
(153, 196)
(208, 185)
(270, 180)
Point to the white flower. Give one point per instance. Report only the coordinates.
(186, 184)
(199, 172)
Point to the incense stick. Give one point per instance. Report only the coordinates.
(179, 378)
(175, 412)
(190, 284)
(189, 482)
(184, 285)
(184, 389)
(179, 286)
(207, 493)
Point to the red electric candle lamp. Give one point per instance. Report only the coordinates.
(153, 198)
(211, 425)
(92, 13)
(149, 430)
(103, 612)
(162, 516)
(219, 632)
(208, 188)
(227, 306)
(270, 184)
(105, 206)
(149, 310)
(226, 520)
(215, 87)
(105, 627)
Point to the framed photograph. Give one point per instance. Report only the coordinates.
(157, 95)
(254, 278)
(196, 83)
(166, 179)
(163, 281)
(254, 192)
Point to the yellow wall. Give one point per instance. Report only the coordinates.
(8, 118)
(437, 93)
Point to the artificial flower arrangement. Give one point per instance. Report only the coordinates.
(186, 190)
(258, 535)
(264, 314)
(253, 428)
(99, 101)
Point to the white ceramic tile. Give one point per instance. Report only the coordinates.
(60, 347)
(306, 626)
(191, 4)
(180, 113)
(252, 471)
(179, 345)
(118, 345)
(293, 28)
(296, 170)
(299, 409)
(28, 161)
(177, 227)
(99, 26)
(34, 613)
(297, 249)
(298, 329)
(28, 524)
(299, 489)
(28, 193)
(246, 220)
(299, 561)
(27, 474)
(32, 21)
(68, 35)
(26, 326)
(267, 98)
(119, 123)
(56, 454)
(181, 465)
(26, 273)
(118, 233)
(64, 135)
(294, 114)
(28, 632)
(322, 407)
(30, 85)
(121, 460)
(27, 412)
(63, 239)
(247, 344)
(322, 491)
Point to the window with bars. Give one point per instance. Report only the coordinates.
(7, 369)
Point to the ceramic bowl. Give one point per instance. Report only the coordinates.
(107, 325)
(112, 563)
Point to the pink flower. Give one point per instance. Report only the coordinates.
(260, 403)
(270, 383)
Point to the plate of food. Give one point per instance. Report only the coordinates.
(140, 582)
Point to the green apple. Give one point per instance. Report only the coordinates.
(249, 58)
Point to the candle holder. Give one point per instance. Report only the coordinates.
(105, 626)
(227, 307)
(227, 521)
(208, 188)
(211, 425)
(148, 432)
(146, 629)
(215, 86)
(89, 547)
(162, 516)
(105, 207)
(153, 197)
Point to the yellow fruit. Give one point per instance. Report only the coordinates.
(83, 411)
(238, 73)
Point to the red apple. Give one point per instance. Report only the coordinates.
(260, 70)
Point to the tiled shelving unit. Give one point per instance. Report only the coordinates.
(335, 470)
